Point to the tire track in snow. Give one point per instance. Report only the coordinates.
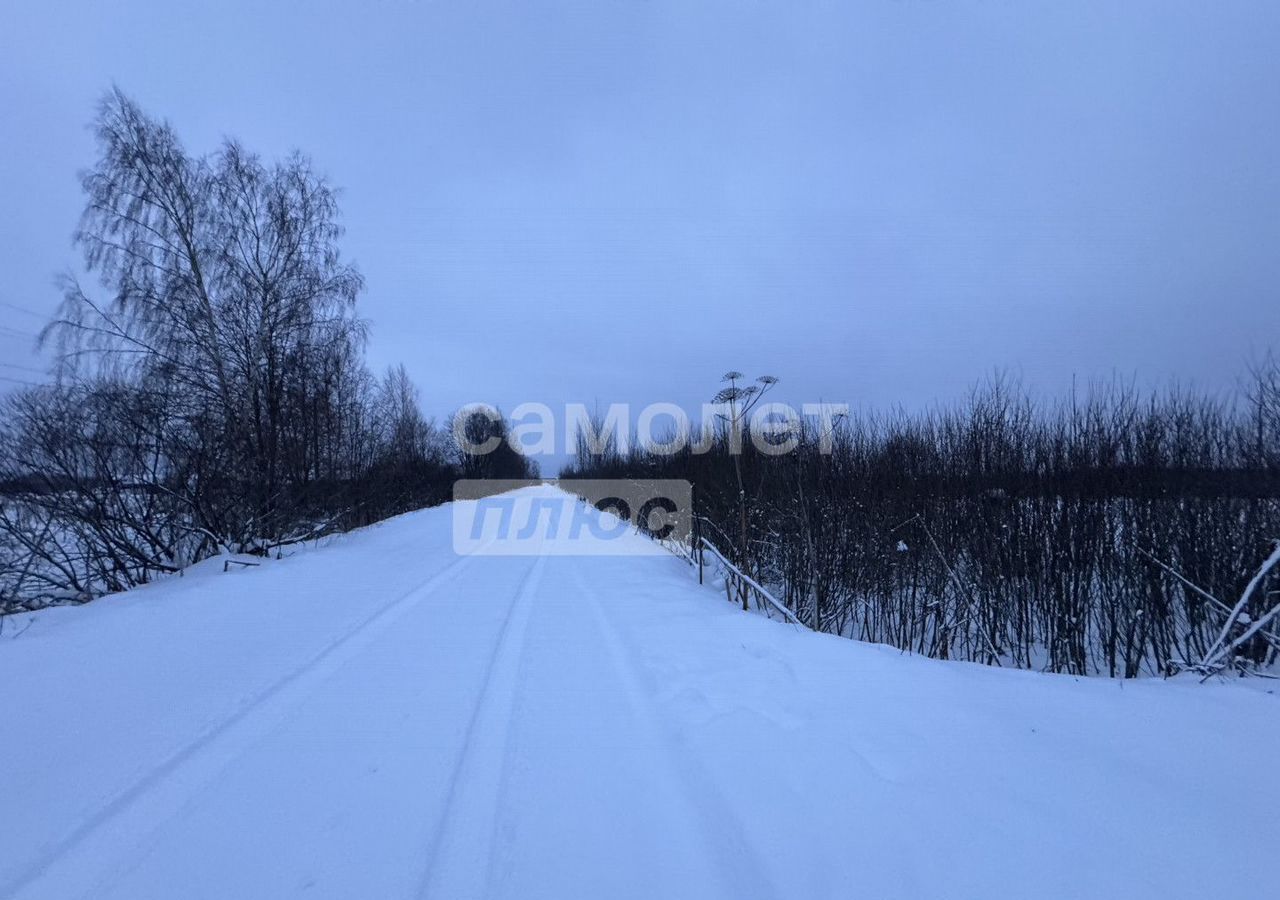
(162, 791)
(460, 856)
(737, 859)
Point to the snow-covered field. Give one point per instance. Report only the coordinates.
(380, 718)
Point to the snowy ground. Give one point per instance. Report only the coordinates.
(380, 718)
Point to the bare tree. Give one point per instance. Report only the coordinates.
(225, 281)
(1081, 537)
(212, 393)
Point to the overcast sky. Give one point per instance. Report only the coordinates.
(618, 200)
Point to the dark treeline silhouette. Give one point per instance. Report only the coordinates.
(215, 397)
(1112, 534)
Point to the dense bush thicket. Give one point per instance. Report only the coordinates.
(1110, 535)
(216, 399)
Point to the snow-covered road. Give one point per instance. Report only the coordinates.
(380, 718)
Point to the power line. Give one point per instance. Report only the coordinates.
(23, 368)
(19, 381)
(23, 309)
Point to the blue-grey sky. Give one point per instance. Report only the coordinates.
(617, 200)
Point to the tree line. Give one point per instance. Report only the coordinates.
(211, 394)
(1117, 533)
